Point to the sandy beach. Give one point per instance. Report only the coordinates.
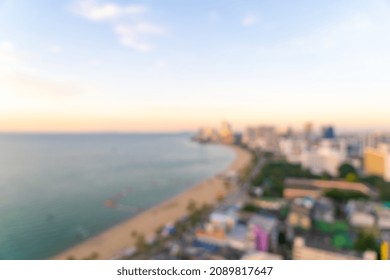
(116, 239)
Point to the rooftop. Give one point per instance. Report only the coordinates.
(266, 222)
(326, 184)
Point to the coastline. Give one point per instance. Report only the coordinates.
(118, 238)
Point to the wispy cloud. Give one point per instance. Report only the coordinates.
(130, 35)
(93, 10)
(127, 21)
(248, 20)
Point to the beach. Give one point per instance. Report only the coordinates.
(115, 240)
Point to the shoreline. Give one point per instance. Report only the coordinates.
(116, 239)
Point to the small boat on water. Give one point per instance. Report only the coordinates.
(109, 203)
(113, 202)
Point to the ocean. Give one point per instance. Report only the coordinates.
(57, 190)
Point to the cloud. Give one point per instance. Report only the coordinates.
(127, 21)
(92, 10)
(130, 35)
(248, 20)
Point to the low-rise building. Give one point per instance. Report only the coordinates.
(306, 250)
(324, 210)
(292, 191)
(383, 217)
(256, 255)
(300, 213)
(238, 238)
(225, 219)
(360, 214)
(263, 232)
(213, 236)
(297, 187)
(269, 204)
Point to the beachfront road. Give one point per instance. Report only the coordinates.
(240, 194)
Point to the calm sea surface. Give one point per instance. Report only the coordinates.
(56, 190)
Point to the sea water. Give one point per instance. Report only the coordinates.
(57, 190)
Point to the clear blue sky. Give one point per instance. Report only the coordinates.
(174, 65)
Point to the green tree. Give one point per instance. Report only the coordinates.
(365, 241)
(141, 244)
(274, 173)
(92, 256)
(191, 206)
(351, 177)
(342, 196)
(325, 176)
(282, 238)
(345, 169)
(248, 207)
(380, 185)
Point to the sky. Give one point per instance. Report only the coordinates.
(173, 65)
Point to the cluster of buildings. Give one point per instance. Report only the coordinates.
(369, 215)
(229, 233)
(314, 226)
(261, 137)
(325, 235)
(311, 230)
(322, 151)
(223, 135)
(326, 229)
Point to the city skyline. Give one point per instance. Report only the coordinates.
(124, 66)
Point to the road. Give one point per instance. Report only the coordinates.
(240, 194)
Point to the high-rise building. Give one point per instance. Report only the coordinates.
(377, 161)
(325, 156)
(308, 130)
(226, 133)
(207, 134)
(371, 140)
(262, 137)
(328, 132)
(249, 135)
(267, 138)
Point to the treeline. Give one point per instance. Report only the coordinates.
(274, 173)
